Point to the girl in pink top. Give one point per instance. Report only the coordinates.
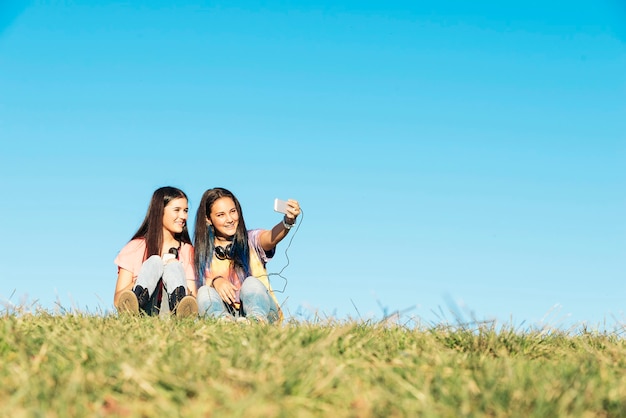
(157, 263)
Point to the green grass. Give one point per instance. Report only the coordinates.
(74, 365)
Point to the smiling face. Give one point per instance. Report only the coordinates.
(175, 216)
(224, 217)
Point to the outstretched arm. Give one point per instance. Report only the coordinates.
(271, 237)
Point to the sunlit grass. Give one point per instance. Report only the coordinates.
(73, 364)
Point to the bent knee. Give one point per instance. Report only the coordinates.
(252, 283)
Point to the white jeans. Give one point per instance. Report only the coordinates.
(152, 270)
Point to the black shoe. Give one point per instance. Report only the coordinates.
(176, 296)
(143, 297)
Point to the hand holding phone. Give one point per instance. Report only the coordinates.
(280, 206)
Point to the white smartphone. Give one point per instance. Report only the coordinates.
(280, 206)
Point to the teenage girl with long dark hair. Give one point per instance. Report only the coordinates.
(155, 269)
(230, 260)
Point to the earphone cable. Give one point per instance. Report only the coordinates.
(280, 273)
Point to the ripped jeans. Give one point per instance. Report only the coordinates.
(256, 302)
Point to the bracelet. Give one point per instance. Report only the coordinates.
(286, 225)
(214, 279)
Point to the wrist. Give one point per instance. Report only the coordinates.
(288, 223)
(214, 279)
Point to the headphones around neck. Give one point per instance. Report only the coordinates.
(224, 253)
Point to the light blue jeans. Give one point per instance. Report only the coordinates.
(256, 302)
(153, 269)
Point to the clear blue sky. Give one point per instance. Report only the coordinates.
(448, 155)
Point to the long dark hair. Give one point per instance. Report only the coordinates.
(151, 228)
(204, 237)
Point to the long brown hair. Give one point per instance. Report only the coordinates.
(151, 228)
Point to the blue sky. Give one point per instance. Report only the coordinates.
(451, 157)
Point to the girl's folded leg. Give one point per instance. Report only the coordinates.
(210, 304)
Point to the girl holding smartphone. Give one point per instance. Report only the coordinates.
(230, 260)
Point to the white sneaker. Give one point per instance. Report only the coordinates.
(257, 319)
(225, 318)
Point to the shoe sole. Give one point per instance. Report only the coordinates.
(127, 303)
(187, 307)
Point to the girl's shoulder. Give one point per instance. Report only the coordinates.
(186, 248)
(134, 245)
(131, 253)
(254, 238)
(254, 233)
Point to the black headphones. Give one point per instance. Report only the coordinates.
(223, 253)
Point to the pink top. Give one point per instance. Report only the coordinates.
(131, 258)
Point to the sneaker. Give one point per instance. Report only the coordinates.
(176, 297)
(256, 319)
(251, 319)
(127, 303)
(225, 319)
(187, 307)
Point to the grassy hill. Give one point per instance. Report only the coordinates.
(75, 365)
